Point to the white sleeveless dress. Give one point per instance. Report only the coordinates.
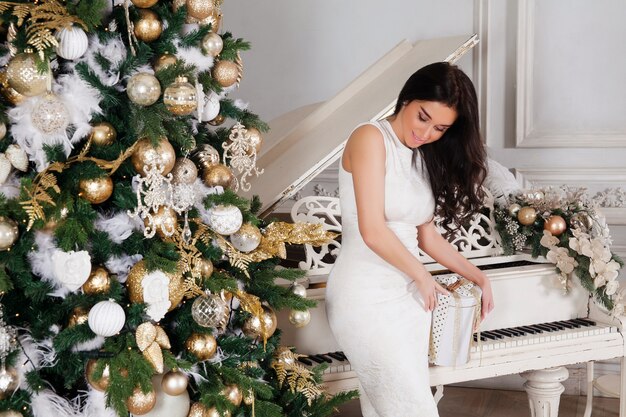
(374, 310)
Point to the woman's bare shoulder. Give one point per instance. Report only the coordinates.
(366, 136)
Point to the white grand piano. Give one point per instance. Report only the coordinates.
(535, 330)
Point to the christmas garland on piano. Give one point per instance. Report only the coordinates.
(564, 226)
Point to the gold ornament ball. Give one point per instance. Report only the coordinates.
(212, 412)
(218, 174)
(582, 221)
(96, 190)
(199, 9)
(145, 154)
(144, 4)
(527, 215)
(219, 119)
(165, 219)
(197, 410)
(212, 44)
(174, 383)
(203, 346)
(299, 318)
(141, 402)
(164, 61)
(103, 134)
(79, 316)
(180, 97)
(23, 76)
(514, 209)
(255, 139)
(184, 171)
(206, 156)
(247, 238)
(148, 27)
(99, 281)
(556, 225)
(205, 267)
(11, 95)
(233, 394)
(135, 289)
(143, 89)
(97, 384)
(9, 233)
(9, 381)
(252, 326)
(225, 73)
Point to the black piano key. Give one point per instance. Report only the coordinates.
(504, 332)
(326, 358)
(584, 322)
(317, 359)
(336, 356)
(482, 338)
(566, 324)
(553, 326)
(538, 329)
(516, 331)
(575, 324)
(528, 329)
(305, 361)
(544, 327)
(342, 355)
(490, 335)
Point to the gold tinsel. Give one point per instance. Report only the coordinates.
(45, 180)
(150, 339)
(42, 19)
(298, 377)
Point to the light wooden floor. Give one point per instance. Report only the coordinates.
(473, 402)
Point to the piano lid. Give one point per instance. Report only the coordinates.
(305, 141)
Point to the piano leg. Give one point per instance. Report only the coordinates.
(622, 388)
(544, 390)
(438, 394)
(590, 377)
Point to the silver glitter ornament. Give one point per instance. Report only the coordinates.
(210, 311)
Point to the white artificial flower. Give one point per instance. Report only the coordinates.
(71, 268)
(548, 241)
(156, 294)
(599, 251)
(618, 309)
(603, 271)
(560, 257)
(580, 242)
(611, 287)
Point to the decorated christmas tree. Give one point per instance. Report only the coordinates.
(134, 278)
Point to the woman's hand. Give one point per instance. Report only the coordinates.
(487, 299)
(429, 288)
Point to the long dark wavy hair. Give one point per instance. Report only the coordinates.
(456, 163)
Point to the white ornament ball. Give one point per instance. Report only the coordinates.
(106, 318)
(17, 156)
(50, 115)
(225, 219)
(168, 405)
(3, 130)
(72, 41)
(299, 289)
(211, 106)
(299, 318)
(247, 238)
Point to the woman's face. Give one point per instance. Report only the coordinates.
(424, 122)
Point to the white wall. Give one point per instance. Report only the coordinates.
(306, 51)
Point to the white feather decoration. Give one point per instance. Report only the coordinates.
(93, 344)
(500, 181)
(113, 50)
(95, 405)
(121, 265)
(46, 403)
(194, 56)
(240, 104)
(41, 262)
(81, 100)
(118, 227)
(11, 188)
(30, 356)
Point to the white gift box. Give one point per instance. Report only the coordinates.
(453, 321)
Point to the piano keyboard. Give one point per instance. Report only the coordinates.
(492, 340)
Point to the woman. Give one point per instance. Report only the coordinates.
(394, 175)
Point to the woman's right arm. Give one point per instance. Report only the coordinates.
(364, 157)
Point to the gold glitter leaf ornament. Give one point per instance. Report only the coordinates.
(150, 339)
(299, 378)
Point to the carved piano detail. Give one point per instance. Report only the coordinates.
(535, 329)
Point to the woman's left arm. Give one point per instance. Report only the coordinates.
(438, 248)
